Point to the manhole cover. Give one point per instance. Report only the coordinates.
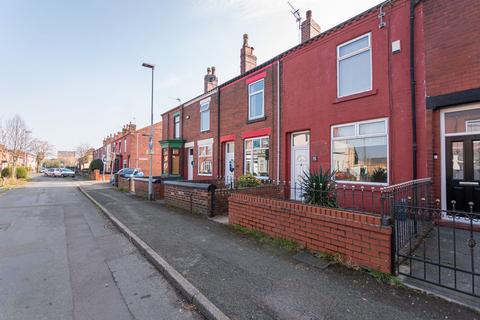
(4, 226)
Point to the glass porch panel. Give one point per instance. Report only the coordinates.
(457, 161)
(467, 121)
(476, 160)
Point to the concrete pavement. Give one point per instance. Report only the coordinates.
(60, 259)
(248, 280)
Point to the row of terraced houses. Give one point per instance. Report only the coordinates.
(389, 101)
(388, 96)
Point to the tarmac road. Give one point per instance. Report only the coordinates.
(60, 259)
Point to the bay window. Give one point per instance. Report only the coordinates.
(354, 66)
(256, 100)
(256, 157)
(360, 152)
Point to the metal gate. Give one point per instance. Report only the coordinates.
(434, 245)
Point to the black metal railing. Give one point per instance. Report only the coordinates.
(438, 246)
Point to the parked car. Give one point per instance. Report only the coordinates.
(50, 172)
(57, 172)
(43, 170)
(113, 177)
(67, 173)
(131, 173)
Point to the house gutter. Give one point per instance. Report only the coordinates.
(412, 88)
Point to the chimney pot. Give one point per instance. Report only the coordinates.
(210, 80)
(247, 59)
(310, 28)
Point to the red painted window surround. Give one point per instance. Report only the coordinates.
(256, 77)
(256, 133)
(230, 137)
(243, 78)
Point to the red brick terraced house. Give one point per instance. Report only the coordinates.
(228, 130)
(386, 97)
(129, 149)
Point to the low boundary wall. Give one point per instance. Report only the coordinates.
(360, 239)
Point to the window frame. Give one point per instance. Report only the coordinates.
(245, 157)
(207, 109)
(369, 35)
(200, 144)
(176, 135)
(358, 136)
(254, 93)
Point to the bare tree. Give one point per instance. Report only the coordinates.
(17, 139)
(82, 153)
(41, 149)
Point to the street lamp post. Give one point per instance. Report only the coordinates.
(150, 140)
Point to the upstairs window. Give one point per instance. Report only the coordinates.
(256, 100)
(205, 117)
(176, 126)
(354, 66)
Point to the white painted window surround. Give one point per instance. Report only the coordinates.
(354, 66)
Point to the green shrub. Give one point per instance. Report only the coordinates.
(96, 164)
(247, 181)
(21, 173)
(318, 188)
(6, 172)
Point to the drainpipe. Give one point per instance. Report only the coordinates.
(278, 121)
(219, 146)
(412, 87)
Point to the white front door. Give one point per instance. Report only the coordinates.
(229, 163)
(300, 161)
(190, 163)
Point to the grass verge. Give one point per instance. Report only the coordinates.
(13, 183)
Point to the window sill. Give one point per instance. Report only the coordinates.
(256, 120)
(361, 183)
(205, 131)
(356, 96)
(204, 175)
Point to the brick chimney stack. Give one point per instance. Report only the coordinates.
(210, 80)
(310, 28)
(247, 59)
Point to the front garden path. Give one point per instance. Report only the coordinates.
(250, 280)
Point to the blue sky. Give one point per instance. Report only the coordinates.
(72, 69)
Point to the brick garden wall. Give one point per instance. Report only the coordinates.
(97, 176)
(190, 198)
(124, 183)
(141, 189)
(358, 238)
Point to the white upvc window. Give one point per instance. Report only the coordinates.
(205, 157)
(125, 145)
(256, 108)
(205, 116)
(354, 66)
(359, 152)
(176, 126)
(256, 157)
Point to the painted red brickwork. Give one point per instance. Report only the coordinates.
(452, 45)
(358, 238)
(309, 92)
